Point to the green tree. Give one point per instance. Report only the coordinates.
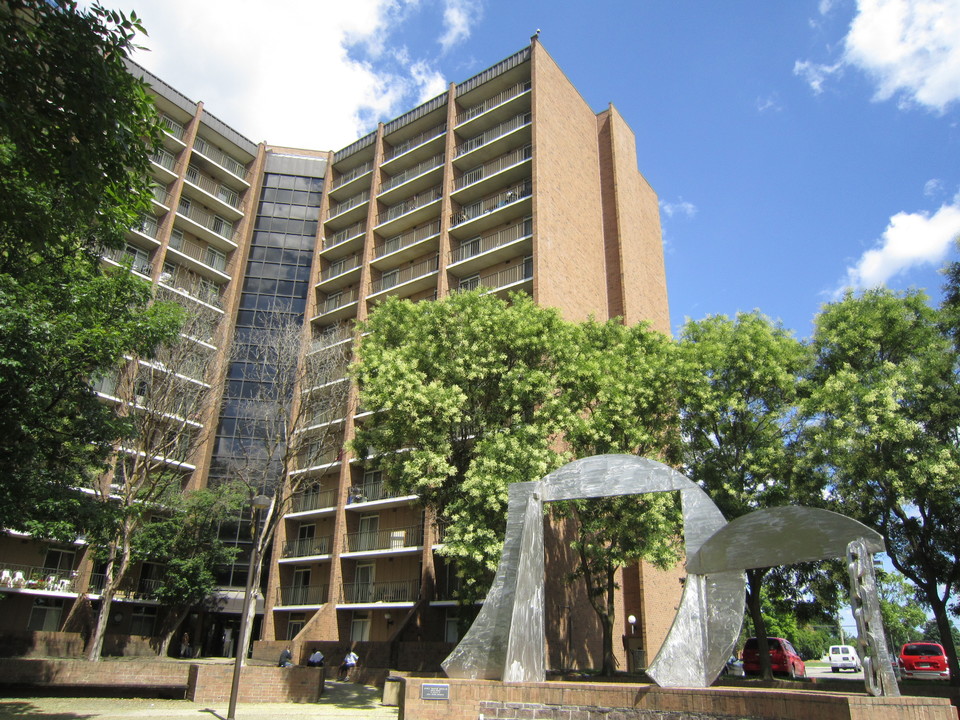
(621, 391)
(884, 415)
(467, 388)
(76, 130)
(739, 387)
(904, 618)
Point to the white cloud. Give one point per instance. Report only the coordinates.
(768, 103)
(933, 188)
(680, 208)
(458, 16)
(299, 73)
(910, 240)
(910, 48)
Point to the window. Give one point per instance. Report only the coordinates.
(143, 620)
(389, 279)
(470, 283)
(45, 615)
(60, 561)
(295, 624)
(360, 627)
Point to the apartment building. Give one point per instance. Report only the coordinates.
(508, 182)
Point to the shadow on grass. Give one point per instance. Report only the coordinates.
(10, 709)
(350, 695)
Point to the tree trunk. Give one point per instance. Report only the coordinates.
(754, 583)
(940, 614)
(171, 626)
(606, 622)
(95, 646)
(243, 642)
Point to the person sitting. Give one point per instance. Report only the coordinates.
(286, 658)
(349, 663)
(315, 659)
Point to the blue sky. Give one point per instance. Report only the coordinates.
(796, 147)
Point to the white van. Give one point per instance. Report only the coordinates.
(844, 657)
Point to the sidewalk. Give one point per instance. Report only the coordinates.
(340, 701)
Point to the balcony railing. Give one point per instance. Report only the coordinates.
(212, 152)
(393, 539)
(493, 202)
(485, 243)
(494, 166)
(492, 102)
(302, 594)
(227, 195)
(415, 141)
(196, 287)
(493, 133)
(410, 237)
(304, 502)
(214, 223)
(201, 253)
(307, 547)
(148, 226)
(409, 205)
(340, 267)
(164, 158)
(161, 195)
(349, 203)
(410, 173)
(397, 591)
(497, 280)
(405, 275)
(347, 233)
(351, 175)
(33, 577)
(130, 589)
(171, 126)
(331, 338)
(339, 300)
(140, 262)
(370, 492)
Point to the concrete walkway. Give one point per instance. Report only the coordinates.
(340, 701)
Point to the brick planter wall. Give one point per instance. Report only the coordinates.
(212, 683)
(473, 699)
(80, 673)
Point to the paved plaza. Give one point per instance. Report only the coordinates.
(340, 701)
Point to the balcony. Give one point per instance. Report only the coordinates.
(344, 242)
(207, 225)
(422, 175)
(515, 278)
(200, 256)
(407, 213)
(308, 595)
(307, 547)
(498, 107)
(364, 496)
(476, 217)
(407, 245)
(171, 127)
(221, 159)
(347, 184)
(412, 150)
(342, 272)
(334, 336)
(506, 169)
(33, 577)
(164, 165)
(404, 539)
(397, 591)
(348, 212)
(320, 464)
(496, 247)
(148, 228)
(195, 287)
(138, 259)
(495, 141)
(226, 199)
(161, 197)
(338, 306)
(309, 502)
(408, 280)
(129, 589)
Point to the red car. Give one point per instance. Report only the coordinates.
(784, 660)
(925, 660)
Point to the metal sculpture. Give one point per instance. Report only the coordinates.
(507, 640)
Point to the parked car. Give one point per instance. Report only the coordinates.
(925, 660)
(844, 657)
(784, 660)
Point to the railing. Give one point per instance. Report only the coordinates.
(370, 492)
(161, 195)
(331, 338)
(492, 102)
(340, 267)
(503, 278)
(347, 233)
(410, 173)
(406, 239)
(133, 589)
(349, 203)
(491, 72)
(508, 126)
(105, 385)
(493, 202)
(309, 460)
(396, 591)
(201, 253)
(494, 166)
(393, 539)
(228, 195)
(164, 158)
(337, 301)
(404, 275)
(33, 577)
(307, 547)
(485, 243)
(140, 262)
(212, 152)
(171, 126)
(351, 175)
(215, 223)
(148, 226)
(193, 285)
(302, 594)
(304, 502)
(409, 205)
(415, 141)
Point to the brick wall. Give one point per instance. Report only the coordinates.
(473, 699)
(128, 673)
(258, 683)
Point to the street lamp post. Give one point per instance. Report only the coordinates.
(257, 504)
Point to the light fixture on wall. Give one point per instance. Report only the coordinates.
(632, 619)
(389, 618)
